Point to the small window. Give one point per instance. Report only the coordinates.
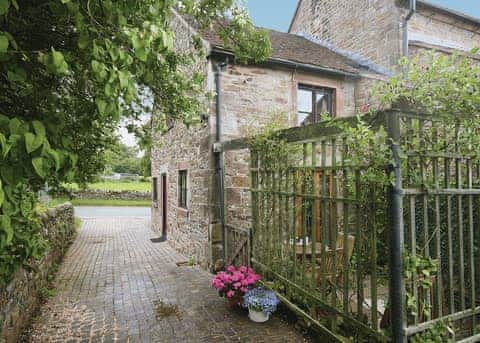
(312, 103)
(182, 188)
(155, 189)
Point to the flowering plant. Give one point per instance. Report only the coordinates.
(261, 300)
(234, 283)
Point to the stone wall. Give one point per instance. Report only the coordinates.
(251, 96)
(20, 299)
(106, 194)
(373, 28)
(187, 228)
(185, 149)
(370, 28)
(433, 28)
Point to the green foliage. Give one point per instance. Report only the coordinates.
(447, 87)
(69, 71)
(440, 332)
(273, 152)
(421, 270)
(20, 229)
(123, 159)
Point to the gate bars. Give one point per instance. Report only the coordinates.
(338, 262)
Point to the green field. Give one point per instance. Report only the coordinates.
(100, 202)
(115, 186)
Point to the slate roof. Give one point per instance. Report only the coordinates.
(297, 49)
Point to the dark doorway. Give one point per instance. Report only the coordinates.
(164, 205)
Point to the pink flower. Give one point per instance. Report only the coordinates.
(243, 289)
(243, 269)
(230, 294)
(237, 276)
(231, 269)
(237, 285)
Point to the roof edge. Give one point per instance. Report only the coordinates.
(299, 2)
(355, 57)
(447, 11)
(216, 50)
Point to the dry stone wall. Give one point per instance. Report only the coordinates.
(106, 194)
(20, 299)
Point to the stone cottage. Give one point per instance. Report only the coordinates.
(384, 30)
(327, 62)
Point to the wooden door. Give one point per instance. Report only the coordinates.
(164, 205)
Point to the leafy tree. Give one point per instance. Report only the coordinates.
(69, 70)
(123, 159)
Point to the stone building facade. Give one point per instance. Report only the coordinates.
(373, 29)
(339, 48)
(250, 94)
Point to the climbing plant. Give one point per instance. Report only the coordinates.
(439, 97)
(70, 70)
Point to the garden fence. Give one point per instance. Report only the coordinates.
(364, 260)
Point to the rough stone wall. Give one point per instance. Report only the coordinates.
(21, 297)
(181, 148)
(250, 96)
(370, 28)
(373, 28)
(185, 149)
(105, 194)
(430, 27)
(364, 100)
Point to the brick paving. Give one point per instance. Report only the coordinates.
(116, 286)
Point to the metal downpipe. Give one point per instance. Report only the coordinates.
(406, 19)
(219, 155)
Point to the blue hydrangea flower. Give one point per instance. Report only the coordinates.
(261, 299)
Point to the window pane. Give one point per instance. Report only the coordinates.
(182, 188)
(323, 103)
(304, 100)
(303, 118)
(155, 189)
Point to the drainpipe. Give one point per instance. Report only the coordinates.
(406, 19)
(219, 158)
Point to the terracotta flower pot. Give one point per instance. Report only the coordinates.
(233, 303)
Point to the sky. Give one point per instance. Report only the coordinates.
(277, 14)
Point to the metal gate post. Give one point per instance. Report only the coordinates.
(395, 196)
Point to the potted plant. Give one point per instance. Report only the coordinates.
(261, 304)
(234, 283)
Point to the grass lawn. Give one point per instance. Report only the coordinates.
(117, 186)
(101, 202)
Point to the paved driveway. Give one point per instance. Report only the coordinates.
(115, 285)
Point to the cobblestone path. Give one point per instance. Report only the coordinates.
(116, 286)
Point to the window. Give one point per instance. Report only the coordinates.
(182, 188)
(155, 189)
(312, 103)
